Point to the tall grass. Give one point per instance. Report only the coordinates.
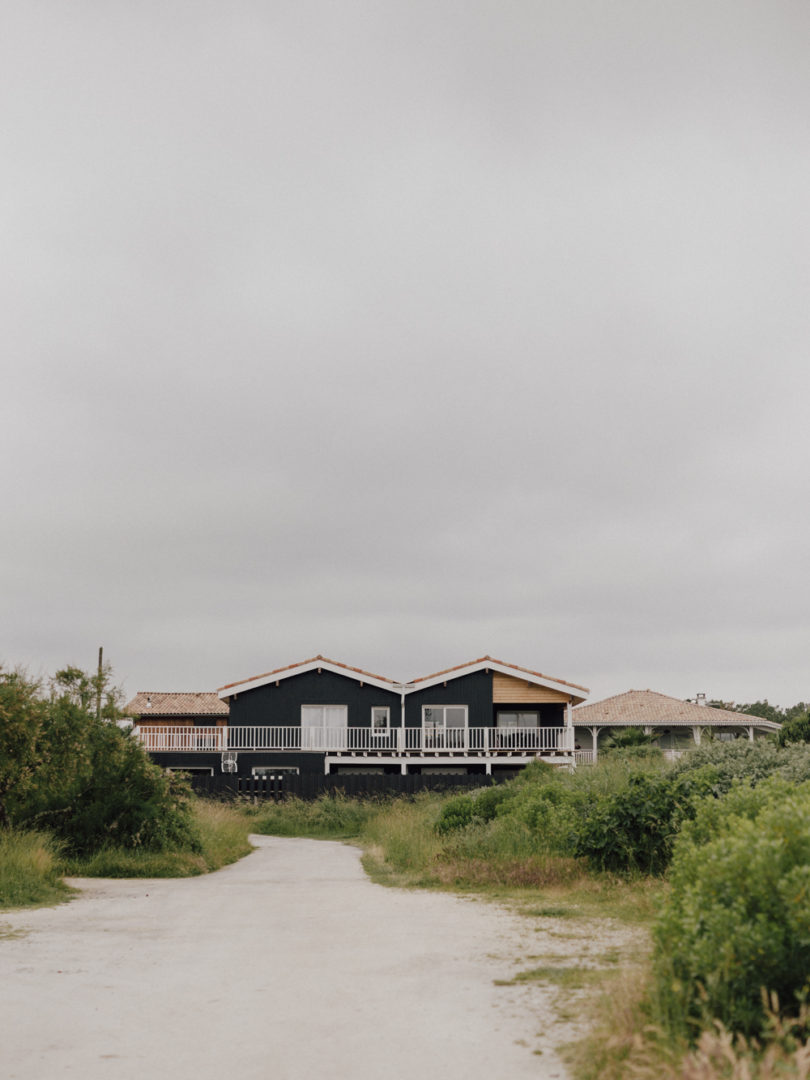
(223, 834)
(29, 869)
(401, 841)
(331, 817)
(626, 1042)
(403, 847)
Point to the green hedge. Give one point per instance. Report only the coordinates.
(737, 921)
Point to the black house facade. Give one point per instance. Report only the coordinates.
(323, 716)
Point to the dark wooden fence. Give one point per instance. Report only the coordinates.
(311, 785)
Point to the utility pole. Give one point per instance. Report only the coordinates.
(99, 681)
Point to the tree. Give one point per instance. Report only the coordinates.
(91, 783)
(762, 709)
(22, 712)
(629, 737)
(795, 730)
(83, 690)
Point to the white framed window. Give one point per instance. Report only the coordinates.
(195, 770)
(380, 720)
(514, 719)
(444, 726)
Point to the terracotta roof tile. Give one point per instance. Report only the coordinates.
(638, 707)
(301, 663)
(514, 667)
(147, 704)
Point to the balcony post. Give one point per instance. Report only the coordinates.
(595, 736)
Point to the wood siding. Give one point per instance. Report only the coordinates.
(507, 690)
(278, 704)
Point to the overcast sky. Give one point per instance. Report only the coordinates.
(405, 333)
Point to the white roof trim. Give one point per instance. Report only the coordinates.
(504, 669)
(300, 669)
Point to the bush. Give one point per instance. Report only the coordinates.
(223, 831)
(476, 808)
(634, 828)
(737, 920)
(457, 813)
(622, 814)
(80, 776)
(96, 786)
(795, 730)
(744, 760)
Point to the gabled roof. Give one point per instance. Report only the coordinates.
(577, 693)
(637, 708)
(152, 703)
(381, 681)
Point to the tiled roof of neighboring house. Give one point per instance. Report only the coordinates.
(481, 662)
(303, 663)
(640, 707)
(146, 704)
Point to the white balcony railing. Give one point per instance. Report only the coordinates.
(469, 740)
(181, 737)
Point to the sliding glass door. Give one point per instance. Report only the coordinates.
(324, 727)
(444, 727)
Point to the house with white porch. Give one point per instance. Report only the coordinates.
(675, 725)
(320, 715)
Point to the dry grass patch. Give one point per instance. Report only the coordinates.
(532, 872)
(624, 1045)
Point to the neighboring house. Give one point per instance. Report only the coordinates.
(187, 723)
(677, 725)
(323, 716)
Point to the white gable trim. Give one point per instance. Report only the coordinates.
(503, 669)
(300, 669)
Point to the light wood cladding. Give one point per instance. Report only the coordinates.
(509, 691)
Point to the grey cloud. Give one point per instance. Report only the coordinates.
(405, 335)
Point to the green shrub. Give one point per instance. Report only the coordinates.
(489, 801)
(744, 760)
(795, 763)
(737, 920)
(223, 832)
(457, 813)
(631, 739)
(96, 786)
(78, 775)
(622, 814)
(634, 828)
(795, 730)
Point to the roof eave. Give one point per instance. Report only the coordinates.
(232, 689)
(577, 694)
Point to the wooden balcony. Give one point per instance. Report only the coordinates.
(399, 742)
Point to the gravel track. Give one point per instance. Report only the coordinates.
(290, 964)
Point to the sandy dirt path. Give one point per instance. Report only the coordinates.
(289, 964)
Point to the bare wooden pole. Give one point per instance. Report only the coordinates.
(99, 681)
